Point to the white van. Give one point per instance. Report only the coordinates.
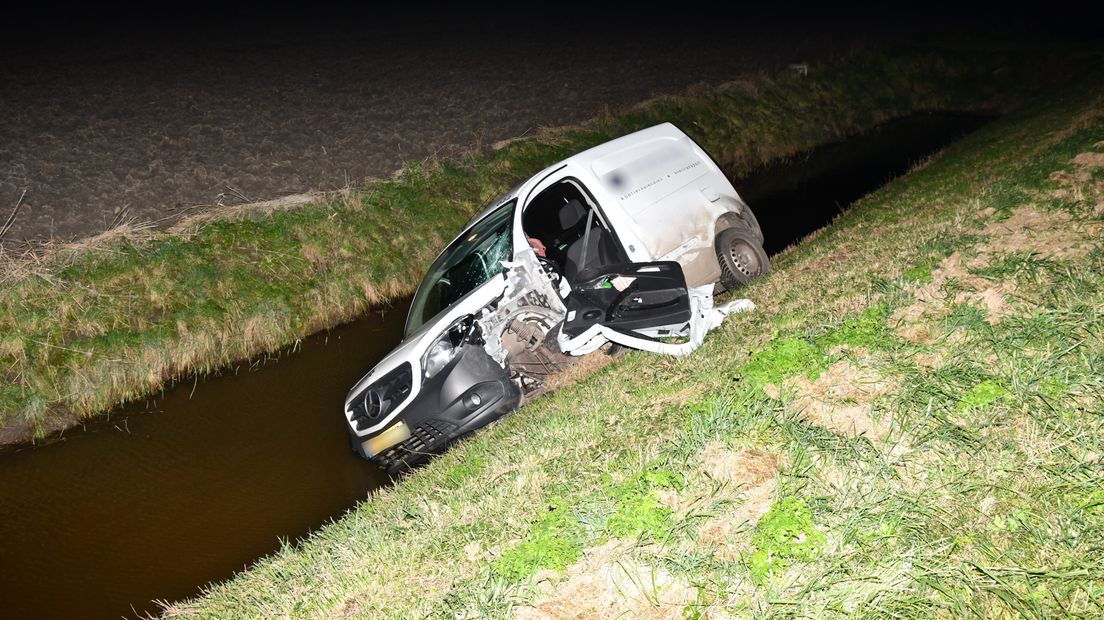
(621, 243)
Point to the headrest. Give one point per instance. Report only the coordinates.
(571, 214)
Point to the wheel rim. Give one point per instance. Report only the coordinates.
(744, 259)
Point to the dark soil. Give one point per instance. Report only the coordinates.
(151, 127)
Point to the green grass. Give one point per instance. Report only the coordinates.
(980, 496)
(87, 327)
(551, 544)
(781, 359)
(983, 394)
(784, 535)
(639, 512)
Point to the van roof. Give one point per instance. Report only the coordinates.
(617, 146)
(599, 161)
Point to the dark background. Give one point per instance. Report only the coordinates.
(145, 114)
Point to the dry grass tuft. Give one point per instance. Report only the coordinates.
(839, 400)
(578, 368)
(1089, 160)
(743, 469)
(315, 256)
(1083, 183)
(606, 583)
(751, 478)
(43, 260)
(918, 321)
(1044, 234)
(262, 331)
(192, 224)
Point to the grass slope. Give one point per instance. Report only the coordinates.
(117, 317)
(911, 424)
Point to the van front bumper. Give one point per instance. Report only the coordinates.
(469, 393)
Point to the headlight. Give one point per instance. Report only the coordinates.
(445, 349)
(381, 397)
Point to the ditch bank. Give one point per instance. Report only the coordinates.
(116, 318)
(819, 454)
(164, 497)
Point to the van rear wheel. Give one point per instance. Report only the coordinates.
(741, 256)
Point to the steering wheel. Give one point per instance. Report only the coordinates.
(482, 263)
(550, 267)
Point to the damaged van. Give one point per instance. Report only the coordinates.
(622, 243)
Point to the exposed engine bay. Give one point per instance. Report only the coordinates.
(529, 332)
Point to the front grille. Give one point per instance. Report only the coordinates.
(381, 397)
(425, 440)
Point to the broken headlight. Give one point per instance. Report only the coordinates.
(445, 349)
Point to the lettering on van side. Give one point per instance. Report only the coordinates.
(636, 191)
(659, 180)
(688, 167)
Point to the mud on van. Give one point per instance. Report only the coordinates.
(621, 243)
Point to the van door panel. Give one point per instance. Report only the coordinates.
(629, 296)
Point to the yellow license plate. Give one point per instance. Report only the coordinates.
(397, 433)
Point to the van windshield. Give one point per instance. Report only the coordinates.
(469, 261)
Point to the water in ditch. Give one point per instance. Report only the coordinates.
(175, 493)
(803, 193)
(169, 495)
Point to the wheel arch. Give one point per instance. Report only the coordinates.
(738, 215)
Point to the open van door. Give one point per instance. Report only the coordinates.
(637, 304)
(647, 297)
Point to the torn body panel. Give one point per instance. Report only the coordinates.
(529, 298)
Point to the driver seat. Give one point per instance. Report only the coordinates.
(589, 252)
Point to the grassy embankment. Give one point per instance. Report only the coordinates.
(118, 317)
(911, 424)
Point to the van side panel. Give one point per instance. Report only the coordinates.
(656, 181)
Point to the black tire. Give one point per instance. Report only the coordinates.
(741, 256)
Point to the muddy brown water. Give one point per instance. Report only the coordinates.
(168, 495)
